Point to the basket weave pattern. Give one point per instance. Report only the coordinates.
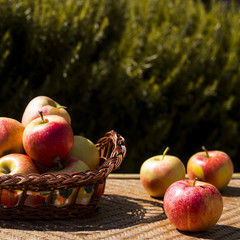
(112, 151)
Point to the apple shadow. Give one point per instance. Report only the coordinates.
(216, 232)
(115, 212)
(231, 191)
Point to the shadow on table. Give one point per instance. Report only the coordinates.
(115, 212)
(217, 232)
(231, 191)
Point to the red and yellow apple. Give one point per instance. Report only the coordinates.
(85, 149)
(35, 199)
(192, 205)
(214, 167)
(72, 164)
(45, 105)
(159, 172)
(45, 140)
(17, 163)
(11, 132)
(9, 198)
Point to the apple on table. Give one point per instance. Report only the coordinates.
(193, 205)
(47, 106)
(159, 172)
(45, 139)
(11, 132)
(214, 167)
(85, 149)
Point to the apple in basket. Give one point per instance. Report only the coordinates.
(11, 132)
(214, 167)
(14, 163)
(192, 205)
(9, 198)
(159, 172)
(47, 106)
(47, 139)
(72, 164)
(85, 149)
(17, 163)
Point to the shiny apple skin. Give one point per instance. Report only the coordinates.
(11, 132)
(44, 142)
(216, 169)
(157, 175)
(193, 208)
(85, 149)
(17, 163)
(47, 106)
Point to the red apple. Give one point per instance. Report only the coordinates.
(100, 190)
(72, 164)
(47, 106)
(17, 163)
(192, 205)
(214, 167)
(9, 198)
(35, 199)
(44, 140)
(159, 172)
(11, 132)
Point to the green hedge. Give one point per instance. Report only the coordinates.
(161, 73)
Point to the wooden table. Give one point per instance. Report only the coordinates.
(127, 212)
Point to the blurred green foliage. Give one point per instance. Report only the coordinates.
(161, 73)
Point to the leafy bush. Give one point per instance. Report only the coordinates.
(161, 73)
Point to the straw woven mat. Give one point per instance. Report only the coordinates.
(127, 212)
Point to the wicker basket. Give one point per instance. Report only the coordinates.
(61, 196)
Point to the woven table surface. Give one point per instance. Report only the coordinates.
(127, 212)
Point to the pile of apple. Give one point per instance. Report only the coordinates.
(195, 203)
(44, 142)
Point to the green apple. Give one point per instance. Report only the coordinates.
(85, 149)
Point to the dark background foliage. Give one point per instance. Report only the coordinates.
(161, 73)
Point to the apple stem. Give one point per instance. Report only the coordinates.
(59, 165)
(165, 152)
(41, 115)
(58, 162)
(206, 151)
(61, 107)
(194, 181)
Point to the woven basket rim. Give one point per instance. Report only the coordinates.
(116, 150)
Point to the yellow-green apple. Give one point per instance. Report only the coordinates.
(72, 164)
(85, 149)
(214, 167)
(14, 163)
(44, 140)
(11, 132)
(47, 106)
(159, 172)
(193, 205)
